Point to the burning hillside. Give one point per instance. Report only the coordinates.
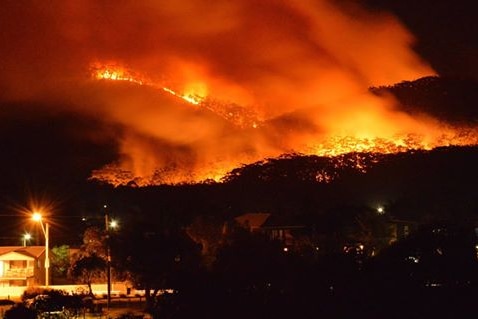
(195, 94)
(197, 89)
(363, 152)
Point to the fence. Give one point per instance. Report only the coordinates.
(15, 292)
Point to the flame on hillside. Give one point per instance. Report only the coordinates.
(194, 93)
(115, 72)
(359, 142)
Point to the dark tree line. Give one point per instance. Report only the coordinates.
(450, 99)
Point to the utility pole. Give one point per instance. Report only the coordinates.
(47, 257)
(108, 261)
(46, 231)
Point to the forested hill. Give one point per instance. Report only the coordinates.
(449, 99)
(442, 181)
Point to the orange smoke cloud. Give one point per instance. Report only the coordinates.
(268, 77)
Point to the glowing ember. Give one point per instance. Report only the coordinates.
(193, 99)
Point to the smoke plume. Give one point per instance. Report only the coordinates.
(272, 77)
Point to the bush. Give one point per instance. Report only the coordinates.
(19, 311)
(33, 292)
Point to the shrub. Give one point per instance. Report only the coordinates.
(19, 311)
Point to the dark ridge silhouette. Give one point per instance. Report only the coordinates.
(450, 99)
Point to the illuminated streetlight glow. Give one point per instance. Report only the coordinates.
(26, 237)
(37, 217)
(45, 228)
(113, 224)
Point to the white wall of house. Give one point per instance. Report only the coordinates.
(117, 288)
(14, 266)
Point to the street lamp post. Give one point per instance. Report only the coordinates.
(45, 228)
(109, 224)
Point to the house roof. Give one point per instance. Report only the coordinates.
(30, 251)
(282, 222)
(253, 220)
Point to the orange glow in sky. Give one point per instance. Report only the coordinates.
(196, 93)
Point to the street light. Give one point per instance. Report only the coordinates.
(26, 237)
(45, 228)
(113, 224)
(110, 224)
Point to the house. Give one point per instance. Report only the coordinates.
(252, 221)
(22, 266)
(275, 227)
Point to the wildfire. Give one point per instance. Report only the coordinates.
(193, 99)
(194, 96)
(116, 72)
(333, 147)
(336, 146)
(194, 93)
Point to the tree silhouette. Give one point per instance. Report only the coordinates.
(60, 261)
(154, 259)
(89, 263)
(88, 269)
(19, 311)
(209, 232)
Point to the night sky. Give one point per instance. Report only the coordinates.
(300, 65)
(445, 31)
